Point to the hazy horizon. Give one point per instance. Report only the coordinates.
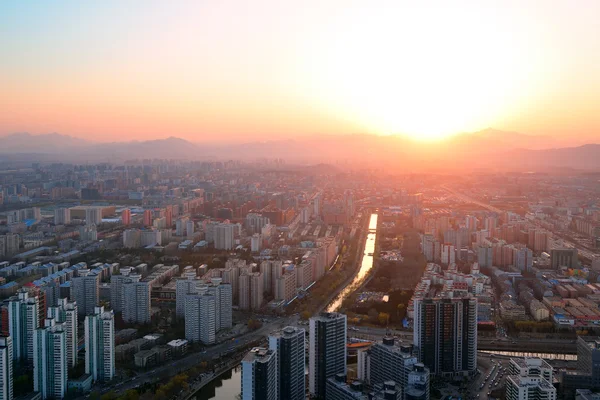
(253, 71)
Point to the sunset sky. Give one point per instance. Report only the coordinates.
(254, 70)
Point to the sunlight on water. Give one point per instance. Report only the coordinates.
(365, 266)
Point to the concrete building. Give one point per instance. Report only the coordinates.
(126, 217)
(445, 333)
(337, 388)
(327, 350)
(259, 375)
(93, 215)
(23, 320)
(564, 258)
(50, 366)
(418, 386)
(224, 236)
(256, 291)
(116, 288)
(100, 345)
(136, 301)
(200, 317)
(183, 287)
(6, 368)
(530, 366)
(62, 216)
(390, 362)
(529, 388)
(285, 286)
(65, 313)
(85, 289)
(288, 345)
(255, 243)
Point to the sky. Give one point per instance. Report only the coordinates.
(269, 69)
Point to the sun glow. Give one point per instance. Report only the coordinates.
(392, 74)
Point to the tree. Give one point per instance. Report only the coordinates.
(130, 394)
(373, 315)
(305, 315)
(384, 318)
(254, 324)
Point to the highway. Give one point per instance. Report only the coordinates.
(180, 365)
(560, 346)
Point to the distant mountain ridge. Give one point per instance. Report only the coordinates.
(489, 148)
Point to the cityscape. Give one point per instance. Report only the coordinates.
(277, 201)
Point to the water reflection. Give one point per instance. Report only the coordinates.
(227, 386)
(365, 266)
(547, 356)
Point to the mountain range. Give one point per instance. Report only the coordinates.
(489, 148)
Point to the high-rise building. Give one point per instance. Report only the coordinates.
(223, 305)
(50, 366)
(183, 288)
(224, 236)
(6, 368)
(93, 215)
(132, 238)
(564, 258)
(244, 292)
(189, 228)
(448, 254)
(9, 244)
(445, 333)
(288, 345)
(255, 222)
(256, 291)
(23, 320)
(136, 300)
(62, 216)
(231, 275)
(259, 375)
(126, 216)
(116, 289)
(147, 217)
(327, 350)
(86, 291)
(65, 313)
(255, 243)
(390, 362)
(88, 233)
(100, 345)
(285, 286)
(200, 317)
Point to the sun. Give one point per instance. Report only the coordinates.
(392, 75)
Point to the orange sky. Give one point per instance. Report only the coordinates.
(254, 70)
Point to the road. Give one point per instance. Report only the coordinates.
(183, 364)
(469, 199)
(562, 346)
(180, 365)
(583, 251)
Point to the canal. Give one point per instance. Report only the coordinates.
(365, 267)
(228, 385)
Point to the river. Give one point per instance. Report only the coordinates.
(227, 386)
(365, 267)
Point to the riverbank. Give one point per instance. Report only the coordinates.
(366, 264)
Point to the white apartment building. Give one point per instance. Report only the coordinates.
(50, 366)
(100, 345)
